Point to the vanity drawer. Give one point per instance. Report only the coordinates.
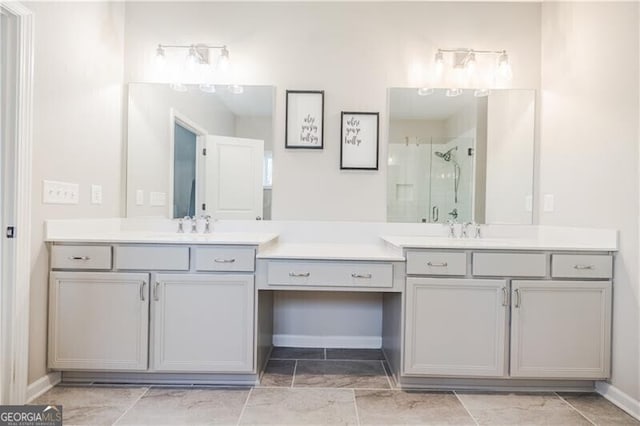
(330, 274)
(162, 258)
(581, 266)
(81, 257)
(239, 259)
(436, 263)
(510, 264)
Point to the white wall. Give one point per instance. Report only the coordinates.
(354, 51)
(255, 128)
(589, 145)
(77, 133)
(149, 150)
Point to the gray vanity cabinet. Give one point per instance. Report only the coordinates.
(456, 327)
(98, 321)
(202, 322)
(560, 329)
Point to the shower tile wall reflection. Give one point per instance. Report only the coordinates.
(442, 165)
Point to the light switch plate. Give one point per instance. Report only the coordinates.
(139, 197)
(548, 203)
(96, 194)
(157, 199)
(54, 192)
(528, 203)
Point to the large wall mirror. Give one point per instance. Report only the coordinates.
(197, 152)
(454, 155)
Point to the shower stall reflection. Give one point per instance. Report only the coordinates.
(430, 180)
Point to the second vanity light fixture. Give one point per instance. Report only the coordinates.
(464, 66)
(198, 56)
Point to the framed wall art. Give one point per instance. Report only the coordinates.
(304, 127)
(359, 140)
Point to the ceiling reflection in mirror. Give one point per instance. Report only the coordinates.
(462, 156)
(194, 152)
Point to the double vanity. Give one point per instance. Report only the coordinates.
(523, 307)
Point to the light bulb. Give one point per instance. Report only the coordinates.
(425, 91)
(192, 59)
(160, 58)
(223, 62)
(504, 67)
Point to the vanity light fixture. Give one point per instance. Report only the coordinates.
(481, 93)
(425, 91)
(236, 89)
(196, 53)
(452, 93)
(207, 88)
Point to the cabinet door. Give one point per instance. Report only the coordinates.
(98, 321)
(203, 323)
(561, 329)
(455, 327)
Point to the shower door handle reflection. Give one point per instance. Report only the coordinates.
(435, 214)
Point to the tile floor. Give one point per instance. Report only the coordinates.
(324, 386)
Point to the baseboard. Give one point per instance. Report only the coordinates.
(42, 385)
(619, 398)
(304, 341)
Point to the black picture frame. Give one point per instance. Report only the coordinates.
(351, 127)
(304, 105)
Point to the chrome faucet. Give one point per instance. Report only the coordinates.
(207, 224)
(476, 227)
(181, 225)
(194, 225)
(464, 231)
(452, 228)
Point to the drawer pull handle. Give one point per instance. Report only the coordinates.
(299, 274)
(517, 300)
(143, 284)
(438, 264)
(505, 296)
(79, 258)
(583, 267)
(224, 260)
(361, 276)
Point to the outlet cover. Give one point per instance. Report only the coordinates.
(55, 192)
(139, 197)
(96, 194)
(548, 203)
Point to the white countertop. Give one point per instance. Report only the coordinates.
(324, 251)
(547, 243)
(147, 237)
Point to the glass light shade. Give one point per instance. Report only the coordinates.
(481, 93)
(192, 59)
(160, 59)
(425, 91)
(223, 62)
(471, 64)
(504, 67)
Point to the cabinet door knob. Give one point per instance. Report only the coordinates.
(361, 276)
(299, 274)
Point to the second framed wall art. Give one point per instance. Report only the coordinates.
(304, 127)
(359, 141)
